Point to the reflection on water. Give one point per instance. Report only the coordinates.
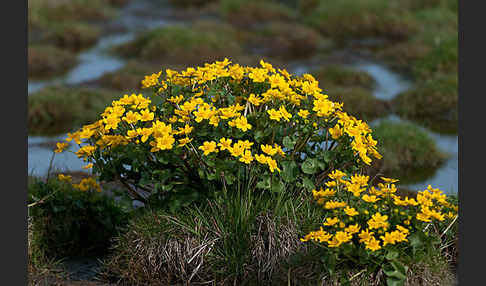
(446, 177)
(388, 83)
(40, 154)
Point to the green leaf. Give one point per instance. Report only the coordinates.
(310, 166)
(308, 184)
(394, 282)
(264, 183)
(391, 255)
(259, 136)
(277, 186)
(288, 143)
(290, 171)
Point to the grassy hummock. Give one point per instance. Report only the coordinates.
(285, 40)
(249, 13)
(432, 103)
(47, 60)
(59, 109)
(408, 152)
(349, 19)
(182, 45)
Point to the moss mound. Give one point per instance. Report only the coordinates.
(245, 13)
(409, 153)
(182, 45)
(433, 103)
(72, 35)
(129, 77)
(360, 102)
(286, 40)
(338, 76)
(360, 19)
(59, 109)
(46, 61)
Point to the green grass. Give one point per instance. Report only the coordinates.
(58, 109)
(359, 102)
(67, 222)
(433, 103)
(407, 151)
(183, 45)
(243, 239)
(348, 19)
(247, 13)
(47, 61)
(72, 35)
(43, 13)
(285, 40)
(129, 77)
(338, 76)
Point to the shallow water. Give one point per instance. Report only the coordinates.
(446, 177)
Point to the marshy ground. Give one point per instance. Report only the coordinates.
(83, 54)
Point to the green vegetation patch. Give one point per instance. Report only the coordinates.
(347, 19)
(46, 61)
(180, 44)
(67, 222)
(129, 77)
(247, 13)
(58, 109)
(360, 102)
(338, 76)
(73, 35)
(287, 40)
(407, 151)
(433, 103)
(43, 13)
(238, 239)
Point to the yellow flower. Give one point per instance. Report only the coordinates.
(336, 132)
(303, 113)
(284, 113)
(370, 199)
(272, 164)
(224, 144)
(131, 117)
(268, 149)
(389, 180)
(246, 157)
(373, 244)
(146, 115)
(262, 159)
(343, 236)
(89, 166)
(208, 147)
(365, 236)
(61, 147)
(274, 114)
(331, 221)
(334, 204)
(184, 141)
(64, 178)
(350, 211)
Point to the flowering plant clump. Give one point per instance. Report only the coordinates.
(374, 225)
(224, 125)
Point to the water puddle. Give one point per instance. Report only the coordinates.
(40, 152)
(446, 177)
